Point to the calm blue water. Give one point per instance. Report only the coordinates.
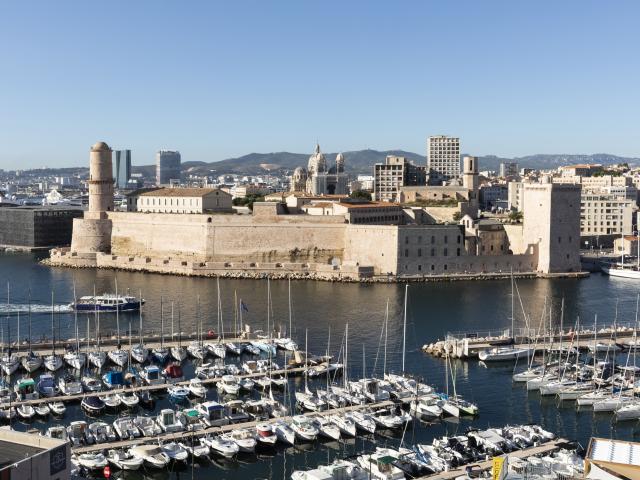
(323, 309)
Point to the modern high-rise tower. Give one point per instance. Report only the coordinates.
(443, 158)
(122, 168)
(167, 167)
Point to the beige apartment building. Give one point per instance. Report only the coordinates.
(606, 214)
(180, 200)
(393, 174)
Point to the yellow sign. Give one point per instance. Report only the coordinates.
(496, 472)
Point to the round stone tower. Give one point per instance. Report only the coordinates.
(92, 234)
(100, 181)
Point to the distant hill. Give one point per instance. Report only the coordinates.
(549, 161)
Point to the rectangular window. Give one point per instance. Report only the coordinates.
(433, 252)
(446, 239)
(406, 240)
(406, 252)
(446, 252)
(433, 239)
(458, 252)
(419, 252)
(458, 238)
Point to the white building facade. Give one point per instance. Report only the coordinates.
(443, 158)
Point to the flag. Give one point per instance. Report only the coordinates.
(243, 306)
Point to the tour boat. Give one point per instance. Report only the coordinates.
(152, 455)
(107, 303)
(123, 459)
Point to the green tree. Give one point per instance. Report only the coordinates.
(515, 216)
(361, 195)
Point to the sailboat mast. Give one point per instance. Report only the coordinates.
(269, 308)
(346, 355)
(404, 326)
(172, 337)
(386, 331)
(117, 315)
(53, 331)
(512, 309)
(140, 319)
(290, 314)
(161, 323)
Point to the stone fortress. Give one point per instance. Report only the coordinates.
(280, 240)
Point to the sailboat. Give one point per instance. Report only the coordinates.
(118, 356)
(90, 382)
(32, 361)
(286, 343)
(140, 353)
(10, 361)
(177, 352)
(74, 358)
(506, 353)
(97, 357)
(231, 347)
(52, 362)
(218, 348)
(161, 353)
(622, 270)
(195, 348)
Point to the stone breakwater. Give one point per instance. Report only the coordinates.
(307, 272)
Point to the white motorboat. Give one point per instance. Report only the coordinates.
(91, 383)
(42, 409)
(197, 388)
(345, 424)
(111, 400)
(244, 438)
(119, 356)
(59, 432)
(175, 451)
(76, 432)
(388, 418)
(265, 435)
(503, 354)
(152, 455)
(617, 270)
(151, 375)
(284, 432)
(52, 363)
(57, 408)
(326, 427)
(126, 428)
(69, 385)
(178, 393)
(168, 421)
(229, 385)
(91, 461)
(304, 428)
(427, 406)
(75, 359)
(197, 448)
(26, 412)
(123, 459)
(362, 420)
(246, 384)
(338, 470)
(98, 358)
(102, 432)
(148, 426)
(628, 411)
(223, 447)
(47, 386)
(379, 466)
(129, 400)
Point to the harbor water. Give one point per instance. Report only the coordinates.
(320, 312)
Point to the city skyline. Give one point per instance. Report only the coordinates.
(218, 82)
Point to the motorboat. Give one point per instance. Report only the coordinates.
(113, 379)
(388, 418)
(326, 427)
(191, 419)
(263, 382)
(75, 359)
(213, 414)
(119, 356)
(229, 385)
(91, 461)
(258, 410)
(173, 373)
(26, 412)
(310, 402)
(265, 435)
(371, 389)
(76, 432)
(285, 344)
(42, 410)
(380, 466)
(168, 421)
(148, 426)
(59, 432)
(427, 406)
(129, 400)
(628, 411)
(57, 408)
(25, 389)
(152, 455)
(98, 358)
(126, 428)
(197, 448)
(31, 362)
(107, 303)
(362, 420)
(102, 432)
(178, 393)
(197, 388)
(221, 446)
(92, 405)
(151, 375)
(338, 470)
(503, 354)
(69, 385)
(345, 424)
(304, 428)
(140, 353)
(123, 459)
(246, 384)
(47, 385)
(235, 412)
(284, 432)
(53, 363)
(244, 438)
(175, 451)
(91, 383)
(264, 346)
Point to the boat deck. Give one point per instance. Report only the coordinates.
(167, 437)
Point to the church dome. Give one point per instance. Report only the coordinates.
(300, 172)
(100, 146)
(317, 162)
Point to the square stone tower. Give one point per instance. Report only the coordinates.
(551, 220)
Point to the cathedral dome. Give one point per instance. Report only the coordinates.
(317, 162)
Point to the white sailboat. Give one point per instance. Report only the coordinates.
(97, 357)
(195, 348)
(118, 356)
(32, 361)
(10, 361)
(140, 353)
(178, 352)
(52, 362)
(622, 270)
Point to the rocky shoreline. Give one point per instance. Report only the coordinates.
(340, 278)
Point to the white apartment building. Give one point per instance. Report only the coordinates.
(606, 214)
(395, 173)
(443, 158)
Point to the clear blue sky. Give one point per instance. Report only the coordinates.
(222, 79)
